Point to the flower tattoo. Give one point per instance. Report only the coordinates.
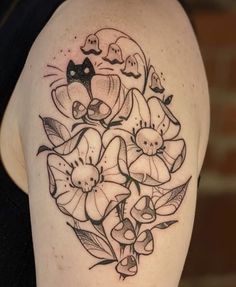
(118, 147)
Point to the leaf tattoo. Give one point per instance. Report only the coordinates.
(94, 244)
(171, 201)
(56, 132)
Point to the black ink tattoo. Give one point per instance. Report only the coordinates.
(123, 139)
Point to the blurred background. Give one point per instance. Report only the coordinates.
(211, 260)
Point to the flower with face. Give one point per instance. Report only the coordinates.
(149, 131)
(85, 184)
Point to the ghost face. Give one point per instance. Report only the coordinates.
(114, 55)
(156, 85)
(91, 45)
(149, 141)
(131, 67)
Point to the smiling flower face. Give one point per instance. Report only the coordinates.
(85, 184)
(149, 131)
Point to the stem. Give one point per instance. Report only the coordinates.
(137, 228)
(107, 240)
(119, 211)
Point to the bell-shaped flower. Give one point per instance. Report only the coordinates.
(74, 100)
(144, 211)
(149, 130)
(114, 54)
(156, 85)
(144, 244)
(91, 45)
(124, 232)
(127, 266)
(131, 67)
(85, 183)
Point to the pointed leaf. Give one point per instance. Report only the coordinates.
(56, 132)
(103, 262)
(43, 148)
(170, 202)
(94, 244)
(168, 100)
(164, 225)
(69, 145)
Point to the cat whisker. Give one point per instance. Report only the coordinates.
(110, 69)
(52, 83)
(99, 64)
(49, 75)
(54, 67)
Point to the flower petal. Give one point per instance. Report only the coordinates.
(59, 175)
(104, 198)
(133, 152)
(70, 200)
(174, 154)
(139, 113)
(114, 162)
(71, 100)
(62, 100)
(85, 145)
(106, 88)
(163, 120)
(149, 170)
(72, 203)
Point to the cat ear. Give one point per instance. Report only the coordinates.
(87, 63)
(70, 65)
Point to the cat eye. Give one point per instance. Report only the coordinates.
(72, 73)
(86, 70)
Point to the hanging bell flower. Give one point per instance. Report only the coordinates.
(144, 244)
(78, 110)
(156, 85)
(91, 45)
(105, 91)
(98, 110)
(131, 67)
(127, 266)
(144, 211)
(114, 54)
(124, 232)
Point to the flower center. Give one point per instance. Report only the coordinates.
(149, 140)
(85, 177)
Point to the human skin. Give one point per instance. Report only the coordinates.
(165, 36)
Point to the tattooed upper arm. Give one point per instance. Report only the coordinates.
(117, 158)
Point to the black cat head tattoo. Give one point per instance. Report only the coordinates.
(82, 73)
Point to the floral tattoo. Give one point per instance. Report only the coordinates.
(122, 145)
